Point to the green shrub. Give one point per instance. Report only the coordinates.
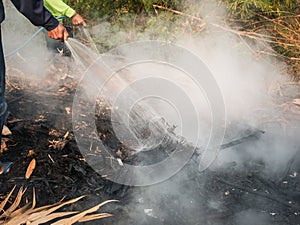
(95, 8)
(248, 9)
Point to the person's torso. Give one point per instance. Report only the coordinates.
(52, 9)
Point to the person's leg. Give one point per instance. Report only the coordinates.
(4, 167)
(3, 105)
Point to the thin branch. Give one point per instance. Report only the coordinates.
(203, 24)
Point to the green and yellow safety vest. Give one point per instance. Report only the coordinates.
(59, 8)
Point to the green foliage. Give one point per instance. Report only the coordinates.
(121, 21)
(247, 9)
(278, 20)
(130, 27)
(95, 8)
(174, 4)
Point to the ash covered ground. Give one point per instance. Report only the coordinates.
(242, 189)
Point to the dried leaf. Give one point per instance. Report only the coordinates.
(31, 152)
(33, 199)
(68, 110)
(15, 204)
(66, 135)
(3, 145)
(79, 216)
(17, 201)
(30, 168)
(2, 205)
(19, 219)
(50, 217)
(39, 214)
(296, 101)
(6, 131)
(25, 215)
(54, 132)
(94, 217)
(57, 145)
(19, 211)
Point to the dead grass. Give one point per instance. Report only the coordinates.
(11, 213)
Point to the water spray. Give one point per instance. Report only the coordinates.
(139, 123)
(116, 76)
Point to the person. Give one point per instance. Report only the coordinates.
(60, 9)
(38, 15)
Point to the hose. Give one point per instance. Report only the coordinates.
(29, 40)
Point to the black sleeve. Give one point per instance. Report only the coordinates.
(35, 11)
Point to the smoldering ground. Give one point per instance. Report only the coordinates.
(255, 182)
(242, 186)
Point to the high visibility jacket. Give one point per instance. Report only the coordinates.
(34, 11)
(59, 8)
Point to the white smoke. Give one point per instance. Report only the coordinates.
(251, 85)
(32, 60)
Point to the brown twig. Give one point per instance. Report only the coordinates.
(203, 24)
(283, 37)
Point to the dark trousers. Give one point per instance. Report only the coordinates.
(3, 105)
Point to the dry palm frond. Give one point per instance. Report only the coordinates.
(13, 214)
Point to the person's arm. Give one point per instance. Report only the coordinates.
(38, 15)
(78, 20)
(34, 11)
(59, 8)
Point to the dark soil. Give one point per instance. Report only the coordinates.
(42, 129)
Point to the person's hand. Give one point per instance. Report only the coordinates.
(78, 20)
(59, 33)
